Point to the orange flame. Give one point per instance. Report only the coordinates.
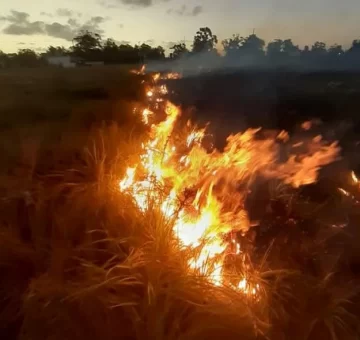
(219, 182)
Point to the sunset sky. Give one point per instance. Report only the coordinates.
(37, 24)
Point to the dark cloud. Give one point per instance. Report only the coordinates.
(31, 28)
(137, 3)
(58, 30)
(15, 17)
(131, 3)
(185, 11)
(20, 24)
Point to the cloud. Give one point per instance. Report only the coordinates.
(58, 30)
(15, 17)
(197, 10)
(137, 3)
(64, 12)
(123, 42)
(130, 3)
(169, 44)
(185, 11)
(20, 24)
(46, 14)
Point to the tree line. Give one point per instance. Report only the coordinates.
(89, 46)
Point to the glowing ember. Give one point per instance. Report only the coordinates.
(214, 185)
(306, 125)
(145, 115)
(354, 177)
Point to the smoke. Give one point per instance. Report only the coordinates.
(200, 63)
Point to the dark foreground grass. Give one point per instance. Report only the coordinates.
(78, 260)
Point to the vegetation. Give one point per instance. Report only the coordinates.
(79, 260)
(91, 47)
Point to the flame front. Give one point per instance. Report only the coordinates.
(213, 184)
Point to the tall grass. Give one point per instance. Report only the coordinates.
(78, 260)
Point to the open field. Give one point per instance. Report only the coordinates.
(81, 259)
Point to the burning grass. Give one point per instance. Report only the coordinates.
(149, 235)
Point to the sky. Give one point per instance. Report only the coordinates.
(37, 24)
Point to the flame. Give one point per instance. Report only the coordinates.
(214, 185)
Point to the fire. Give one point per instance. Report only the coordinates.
(214, 185)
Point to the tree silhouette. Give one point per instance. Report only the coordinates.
(335, 51)
(26, 58)
(233, 45)
(204, 40)
(289, 49)
(56, 51)
(90, 47)
(275, 48)
(3, 59)
(355, 47)
(253, 45)
(110, 51)
(87, 45)
(319, 48)
(179, 50)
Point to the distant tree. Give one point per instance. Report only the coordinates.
(233, 45)
(87, 45)
(335, 51)
(3, 59)
(111, 51)
(26, 58)
(355, 47)
(274, 48)
(253, 45)
(179, 50)
(56, 50)
(148, 52)
(282, 51)
(129, 54)
(289, 49)
(204, 40)
(319, 48)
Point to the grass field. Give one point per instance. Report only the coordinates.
(80, 260)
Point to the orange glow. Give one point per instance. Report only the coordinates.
(354, 177)
(168, 168)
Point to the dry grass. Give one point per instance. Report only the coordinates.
(78, 260)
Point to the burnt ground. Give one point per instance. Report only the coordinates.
(273, 100)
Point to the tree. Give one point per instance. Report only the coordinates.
(232, 45)
(289, 49)
(319, 48)
(26, 58)
(335, 51)
(355, 47)
(179, 50)
(56, 51)
(204, 40)
(128, 54)
(110, 51)
(253, 45)
(3, 59)
(274, 49)
(87, 45)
